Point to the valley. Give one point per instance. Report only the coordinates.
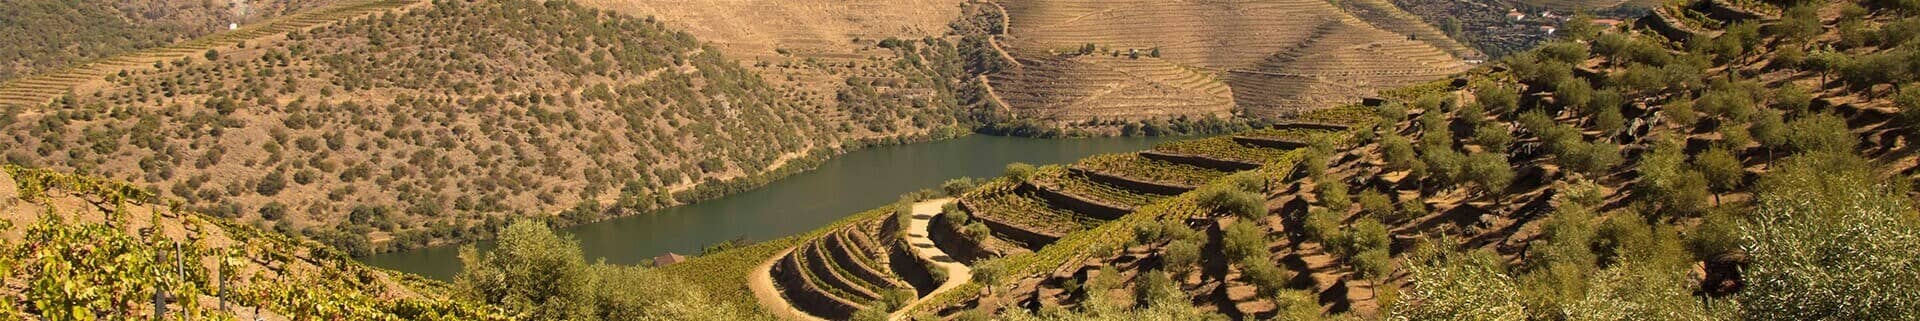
(960, 160)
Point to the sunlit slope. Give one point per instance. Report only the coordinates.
(1352, 57)
(754, 28)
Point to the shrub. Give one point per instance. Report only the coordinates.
(1373, 264)
(1811, 209)
(1722, 170)
(1398, 152)
(957, 186)
(1181, 256)
(533, 273)
(1492, 136)
(1269, 279)
(272, 184)
(1376, 203)
(1322, 225)
(1496, 98)
(1490, 171)
(1333, 194)
(1235, 202)
(1245, 242)
(1820, 132)
(1020, 172)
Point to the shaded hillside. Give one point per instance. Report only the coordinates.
(1250, 46)
(42, 36)
(79, 247)
(394, 131)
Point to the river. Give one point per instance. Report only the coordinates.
(847, 184)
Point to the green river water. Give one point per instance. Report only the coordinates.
(847, 184)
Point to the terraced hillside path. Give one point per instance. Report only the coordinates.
(957, 273)
(761, 284)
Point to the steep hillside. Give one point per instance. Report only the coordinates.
(1346, 53)
(855, 60)
(1617, 174)
(39, 36)
(79, 247)
(394, 130)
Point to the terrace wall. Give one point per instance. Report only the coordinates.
(1201, 161)
(1130, 183)
(1076, 203)
(1032, 239)
(800, 290)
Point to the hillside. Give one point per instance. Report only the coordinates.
(368, 134)
(854, 60)
(1614, 174)
(39, 36)
(1276, 58)
(79, 247)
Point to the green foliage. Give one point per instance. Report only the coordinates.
(1376, 204)
(1490, 171)
(1722, 170)
(534, 274)
(1451, 286)
(1332, 193)
(1820, 133)
(1244, 243)
(1398, 152)
(1322, 225)
(1825, 234)
(1667, 182)
(1496, 98)
(1181, 256)
(957, 186)
(1236, 202)
(1493, 136)
(1019, 172)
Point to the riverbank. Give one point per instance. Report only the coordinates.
(849, 183)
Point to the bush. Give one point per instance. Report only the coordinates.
(1376, 203)
(1722, 170)
(1333, 194)
(533, 273)
(1811, 209)
(1820, 133)
(1496, 98)
(1269, 279)
(1235, 202)
(1020, 172)
(272, 184)
(1246, 243)
(1493, 137)
(1490, 171)
(957, 186)
(1181, 256)
(1322, 225)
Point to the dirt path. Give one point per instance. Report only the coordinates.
(761, 284)
(957, 273)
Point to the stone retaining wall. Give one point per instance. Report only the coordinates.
(1275, 143)
(799, 290)
(859, 268)
(948, 238)
(1201, 161)
(1132, 184)
(1033, 239)
(1083, 205)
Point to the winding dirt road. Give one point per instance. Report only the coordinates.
(957, 274)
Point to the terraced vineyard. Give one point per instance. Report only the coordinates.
(82, 246)
(1081, 185)
(1276, 58)
(1008, 205)
(1132, 165)
(37, 90)
(841, 273)
(1223, 148)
